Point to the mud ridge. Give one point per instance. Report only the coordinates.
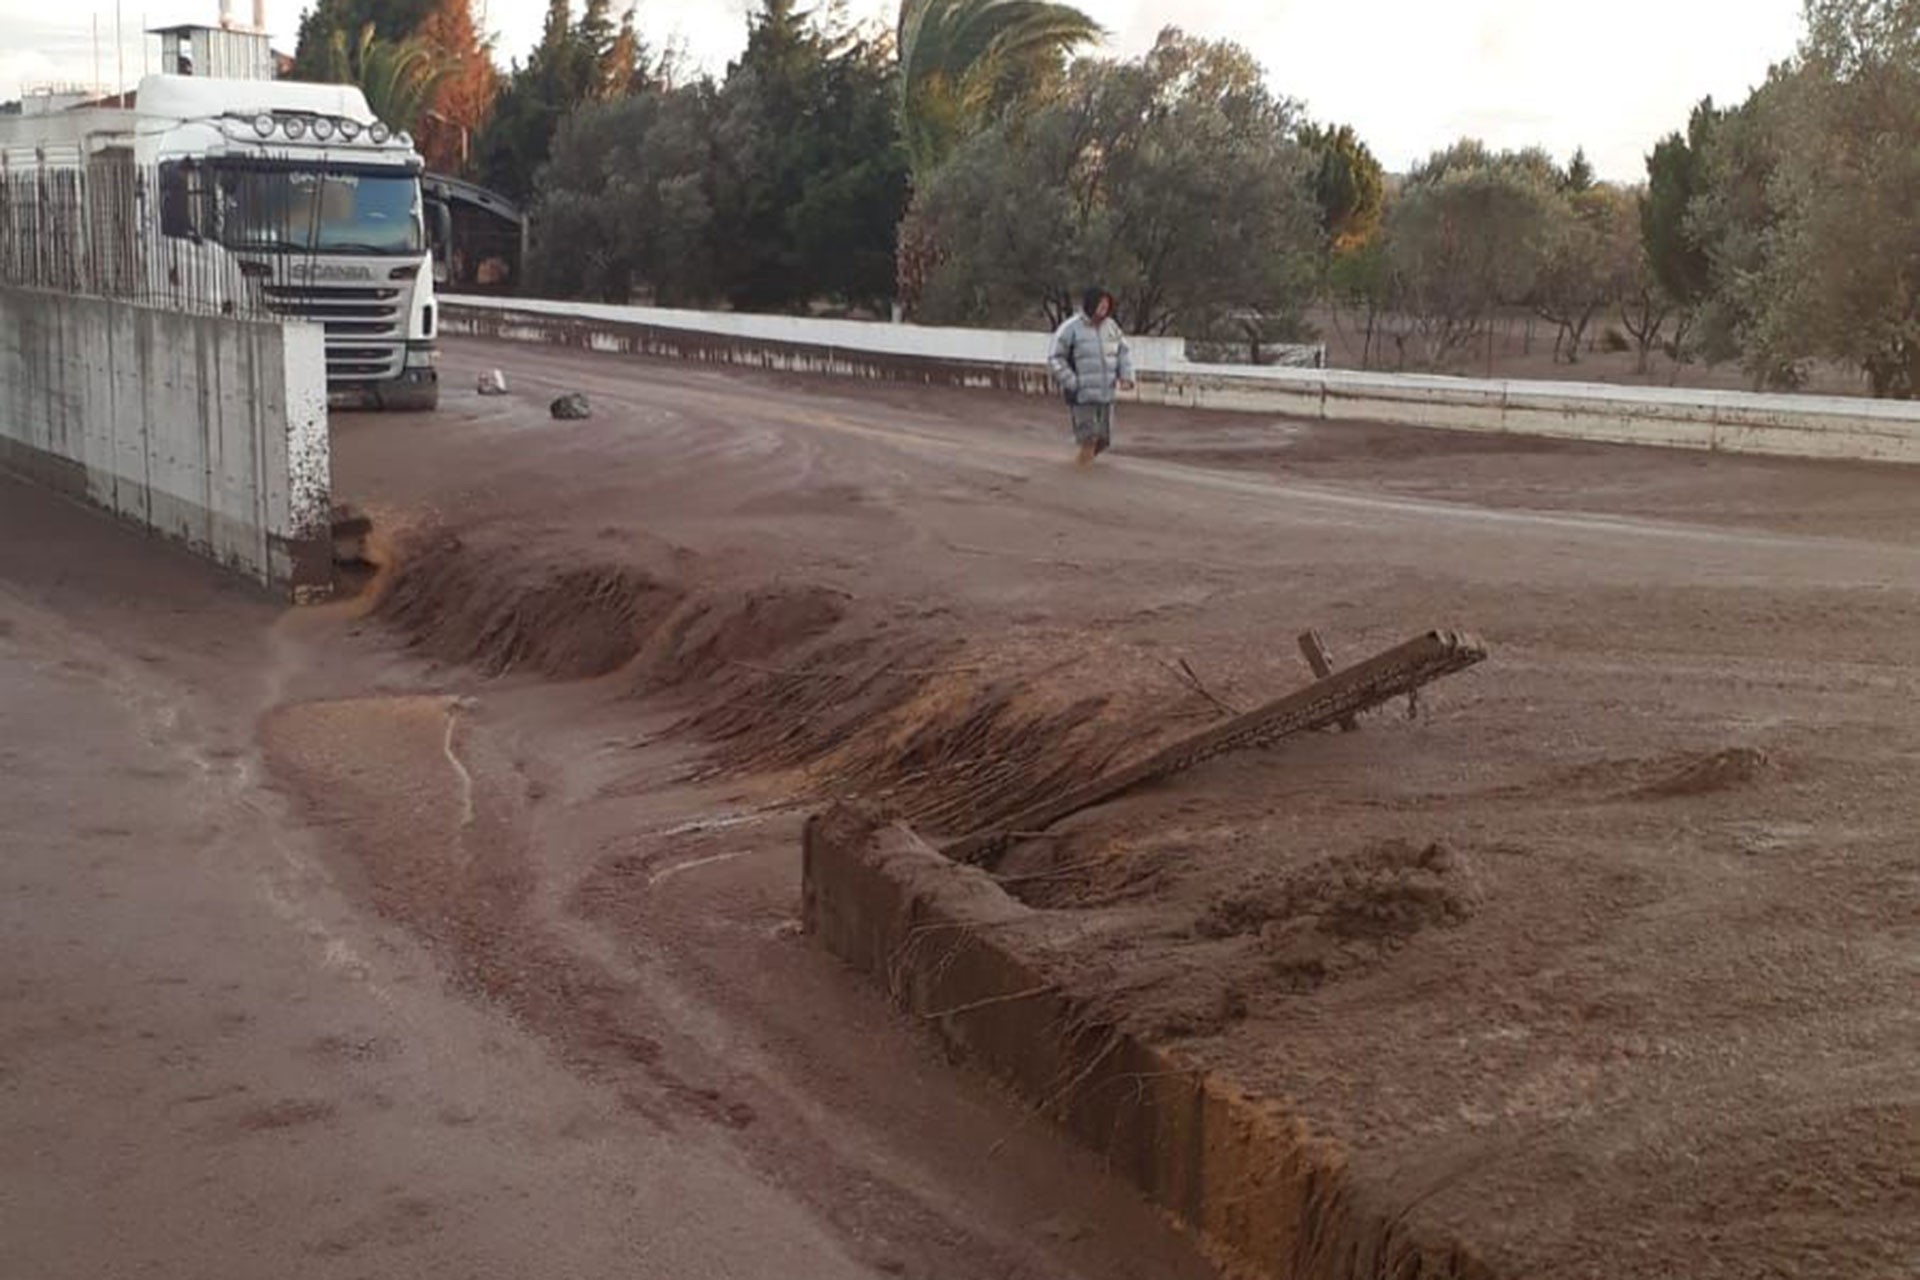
(779, 677)
(470, 601)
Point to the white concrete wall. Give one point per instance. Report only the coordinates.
(979, 346)
(1832, 427)
(207, 430)
(1794, 426)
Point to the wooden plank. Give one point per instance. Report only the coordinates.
(1382, 678)
(1315, 651)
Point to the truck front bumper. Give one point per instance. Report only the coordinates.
(416, 389)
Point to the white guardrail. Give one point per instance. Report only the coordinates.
(1833, 427)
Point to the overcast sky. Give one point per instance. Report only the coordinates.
(1410, 75)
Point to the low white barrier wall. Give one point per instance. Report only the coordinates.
(853, 338)
(1785, 425)
(207, 430)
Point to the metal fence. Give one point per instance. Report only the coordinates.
(97, 230)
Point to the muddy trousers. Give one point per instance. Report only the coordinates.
(1093, 425)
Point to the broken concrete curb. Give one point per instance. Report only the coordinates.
(1265, 1196)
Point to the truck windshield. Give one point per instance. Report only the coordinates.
(320, 211)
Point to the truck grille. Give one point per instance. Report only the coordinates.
(365, 326)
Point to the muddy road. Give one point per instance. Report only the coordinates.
(465, 912)
(213, 1062)
(229, 1046)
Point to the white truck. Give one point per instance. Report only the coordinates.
(260, 197)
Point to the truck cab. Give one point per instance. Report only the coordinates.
(260, 197)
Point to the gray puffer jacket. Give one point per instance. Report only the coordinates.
(1090, 361)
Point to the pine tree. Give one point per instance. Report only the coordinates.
(593, 51)
(1580, 176)
(628, 65)
(573, 64)
(465, 98)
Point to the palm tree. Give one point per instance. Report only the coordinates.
(400, 77)
(963, 60)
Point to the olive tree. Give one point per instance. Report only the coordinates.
(1576, 276)
(1468, 234)
(1175, 179)
(1840, 279)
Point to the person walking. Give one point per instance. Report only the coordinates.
(1091, 365)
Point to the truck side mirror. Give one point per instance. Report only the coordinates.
(440, 239)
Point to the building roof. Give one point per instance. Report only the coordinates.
(452, 188)
(185, 28)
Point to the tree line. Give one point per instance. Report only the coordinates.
(976, 164)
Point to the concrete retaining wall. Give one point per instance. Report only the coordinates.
(1790, 426)
(1263, 1193)
(984, 358)
(206, 430)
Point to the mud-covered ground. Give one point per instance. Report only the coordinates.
(1604, 963)
(305, 973)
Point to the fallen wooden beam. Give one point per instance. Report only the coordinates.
(1314, 649)
(1393, 674)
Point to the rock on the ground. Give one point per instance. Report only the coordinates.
(573, 405)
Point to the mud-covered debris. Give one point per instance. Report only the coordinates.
(1204, 1005)
(1721, 771)
(1397, 672)
(571, 407)
(492, 383)
(1344, 914)
(351, 528)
